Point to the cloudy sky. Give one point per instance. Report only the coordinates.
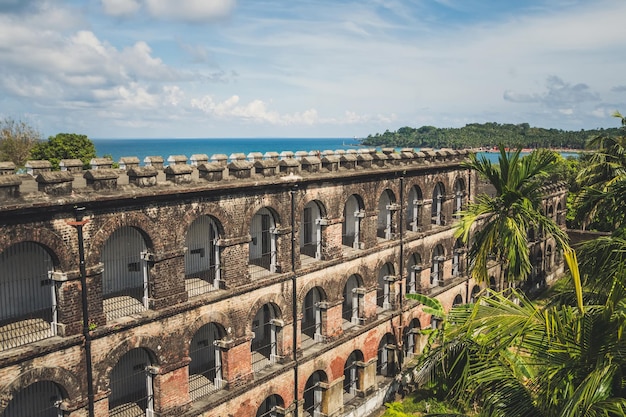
(308, 68)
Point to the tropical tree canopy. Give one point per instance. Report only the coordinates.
(65, 146)
(602, 182)
(496, 228)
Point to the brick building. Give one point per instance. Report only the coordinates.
(248, 285)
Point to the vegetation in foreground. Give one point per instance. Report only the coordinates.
(564, 357)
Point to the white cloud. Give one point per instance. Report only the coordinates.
(255, 111)
(190, 10)
(120, 7)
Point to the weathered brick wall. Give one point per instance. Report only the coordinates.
(165, 331)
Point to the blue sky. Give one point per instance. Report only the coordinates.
(304, 68)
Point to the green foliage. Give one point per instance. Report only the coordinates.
(423, 403)
(65, 146)
(506, 218)
(601, 183)
(17, 138)
(477, 135)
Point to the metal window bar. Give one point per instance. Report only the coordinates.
(312, 318)
(313, 398)
(270, 408)
(263, 246)
(382, 294)
(351, 379)
(27, 295)
(202, 259)
(132, 386)
(205, 368)
(125, 275)
(41, 399)
(264, 344)
(351, 228)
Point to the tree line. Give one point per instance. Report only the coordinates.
(476, 135)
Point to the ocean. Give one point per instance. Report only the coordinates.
(141, 148)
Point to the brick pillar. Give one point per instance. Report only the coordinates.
(368, 229)
(167, 278)
(171, 389)
(235, 257)
(332, 398)
(331, 239)
(68, 290)
(369, 304)
(283, 250)
(237, 362)
(367, 375)
(332, 320)
(94, 295)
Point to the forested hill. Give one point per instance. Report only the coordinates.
(485, 135)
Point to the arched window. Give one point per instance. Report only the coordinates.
(559, 214)
(41, 399)
(386, 208)
(266, 326)
(28, 296)
(458, 300)
(311, 230)
(352, 378)
(205, 368)
(272, 406)
(549, 258)
(475, 294)
(411, 338)
(414, 274)
(437, 217)
(126, 273)
(202, 259)
(414, 210)
(132, 390)
(459, 196)
(314, 395)
(385, 278)
(263, 247)
(458, 259)
(312, 316)
(493, 283)
(352, 307)
(436, 271)
(386, 365)
(353, 213)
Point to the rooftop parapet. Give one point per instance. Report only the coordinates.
(9, 187)
(71, 165)
(178, 173)
(142, 176)
(55, 182)
(211, 171)
(7, 168)
(177, 160)
(101, 179)
(154, 161)
(219, 168)
(198, 159)
(101, 163)
(220, 158)
(128, 162)
(36, 167)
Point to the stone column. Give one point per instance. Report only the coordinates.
(332, 397)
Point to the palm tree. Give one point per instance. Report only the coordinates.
(525, 359)
(501, 223)
(606, 167)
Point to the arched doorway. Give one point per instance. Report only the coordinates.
(202, 258)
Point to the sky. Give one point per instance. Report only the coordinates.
(308, 68)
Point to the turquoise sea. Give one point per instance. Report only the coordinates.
(141, 148)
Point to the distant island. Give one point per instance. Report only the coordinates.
(486, 135)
